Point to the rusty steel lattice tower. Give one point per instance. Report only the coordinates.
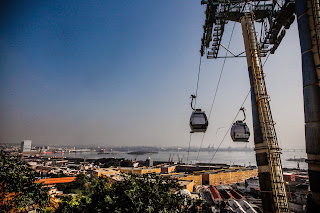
(275, 17)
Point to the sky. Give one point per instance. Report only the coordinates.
(116, 73)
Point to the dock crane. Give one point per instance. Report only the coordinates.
(275, 17)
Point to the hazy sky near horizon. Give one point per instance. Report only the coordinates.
(121, 73)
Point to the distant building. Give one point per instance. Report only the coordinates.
(226, 176)
(43, 148)
(149, 162)
(26, 145)
(167, 168)
(197, 179)
(140, 170)
(104, 172)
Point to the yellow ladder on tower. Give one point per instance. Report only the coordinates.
(266, 121)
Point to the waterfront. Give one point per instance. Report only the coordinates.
(224, 157)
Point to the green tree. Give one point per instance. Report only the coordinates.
(18, 190)
(80, 186)
(108, 162)
(147, 193)
(74, 204)
(126, 163)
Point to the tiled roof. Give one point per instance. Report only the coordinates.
(49, 181)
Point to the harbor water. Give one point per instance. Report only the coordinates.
(243, 158)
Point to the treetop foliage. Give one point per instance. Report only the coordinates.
(18, 190)
(147, 193)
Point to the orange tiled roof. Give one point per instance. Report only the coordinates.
(50, 181)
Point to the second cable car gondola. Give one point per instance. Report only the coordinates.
(239, 131)
(198, 119)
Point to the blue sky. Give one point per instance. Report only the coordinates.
(121, 73)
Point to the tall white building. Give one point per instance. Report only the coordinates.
(26, 145)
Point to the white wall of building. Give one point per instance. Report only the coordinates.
(26, 145)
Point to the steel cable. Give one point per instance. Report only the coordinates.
(217, 88)
(195, 102)
(235, 116)
(229, 127)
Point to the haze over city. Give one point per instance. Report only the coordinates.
(122, 72)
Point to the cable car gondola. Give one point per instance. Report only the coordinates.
(198, 119)
(239, 130)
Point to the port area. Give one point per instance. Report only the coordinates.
(242, 194)
(223, 187)
(246, 196)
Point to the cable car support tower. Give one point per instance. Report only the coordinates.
(275, 17)
(266, 145)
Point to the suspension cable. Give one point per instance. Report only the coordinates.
(195, 103)
(229, 127)
(266, 59)
(263, 66)
(217, 88)
(235, 117)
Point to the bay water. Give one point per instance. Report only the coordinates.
(243, 158)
